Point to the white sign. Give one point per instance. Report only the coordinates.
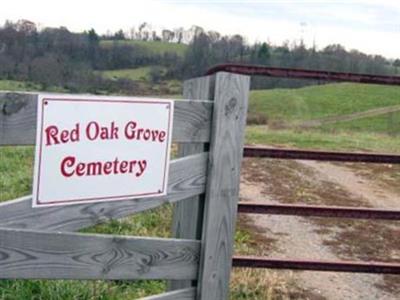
(92, 149)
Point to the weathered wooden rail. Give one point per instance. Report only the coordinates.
(203, 182)
(192, 120)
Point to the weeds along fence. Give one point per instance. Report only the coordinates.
(204, 182)
(258, 207)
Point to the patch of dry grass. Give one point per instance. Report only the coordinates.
(260, 284)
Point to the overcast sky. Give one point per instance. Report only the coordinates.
(369, 26)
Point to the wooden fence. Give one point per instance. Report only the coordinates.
(203, 182)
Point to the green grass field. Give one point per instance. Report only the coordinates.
(141, 74)
(387, 124)
(13, 85)
(288, 107)
(319, 140)
(282, 108)
(321, 101)
(156, 47)
(132, 74)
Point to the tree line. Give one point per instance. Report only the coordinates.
(58, 57)
(205, 52)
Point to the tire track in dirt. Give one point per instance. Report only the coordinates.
(312, 238)
(363, 188)
(350, 117)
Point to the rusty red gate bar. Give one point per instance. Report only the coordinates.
(258, 70)
(250, 151)
(318, 211)
(311, 265)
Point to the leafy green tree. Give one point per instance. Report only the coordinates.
(263, 54)
(93, 47)
(119, 35)
(198, 57)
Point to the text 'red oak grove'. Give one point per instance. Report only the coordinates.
(93, 131)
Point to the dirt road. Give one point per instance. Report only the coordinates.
(329, 239)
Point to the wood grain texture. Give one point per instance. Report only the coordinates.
(222, 189)
(26, 254)
(17, 118)
(192, 120)
(182, 294)
(188, 214)
(186, 179)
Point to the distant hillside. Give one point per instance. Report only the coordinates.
(155, 47)
(78, 61)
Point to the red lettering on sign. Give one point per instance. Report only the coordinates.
(69, 167)
(92, 130)
(54, 136)
(95, 131)
(153, 135)
(67, 162)
(51, 134)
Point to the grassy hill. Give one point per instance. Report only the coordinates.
(156, 47)
(14, 85)
(133, 74)
(286, 107)
(141, 74)
(282, 110)
(321, 101)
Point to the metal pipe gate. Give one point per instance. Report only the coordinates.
(312, 210)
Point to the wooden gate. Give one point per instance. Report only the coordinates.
(39, 243)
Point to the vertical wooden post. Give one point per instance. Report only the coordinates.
(226, 151)
(187, 220)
